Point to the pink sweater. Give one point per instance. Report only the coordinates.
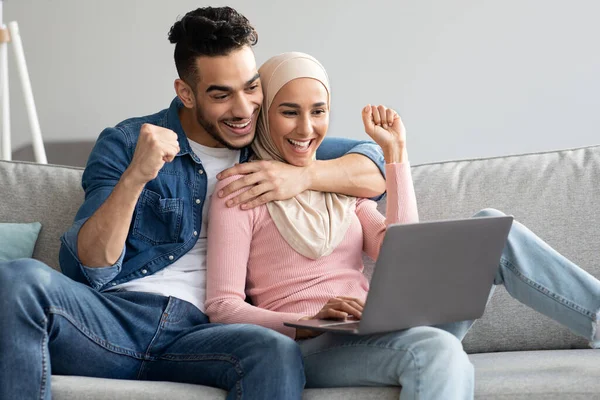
(248, 256)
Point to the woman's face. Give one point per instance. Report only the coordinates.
(298, 120)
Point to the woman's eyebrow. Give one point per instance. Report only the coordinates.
(291, 105)
(294, 105)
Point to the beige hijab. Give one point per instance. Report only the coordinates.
(313, 223)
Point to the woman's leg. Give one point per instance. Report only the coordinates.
(427, 362)
(538, 276)
(460, 328)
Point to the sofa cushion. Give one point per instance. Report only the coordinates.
(18, 240)
(537, 375)
(528, 375)
(83, 388)
(49, 194)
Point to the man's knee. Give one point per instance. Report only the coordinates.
(20, 276)
(23, 270)
(273, 348)
(489, 212)
(279, 345)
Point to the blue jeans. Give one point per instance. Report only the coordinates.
(49, 324)
(429, 362)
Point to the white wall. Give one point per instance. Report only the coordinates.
(470, 78)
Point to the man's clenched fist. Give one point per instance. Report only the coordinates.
(156, 146)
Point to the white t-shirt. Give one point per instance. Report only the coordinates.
(186, 277)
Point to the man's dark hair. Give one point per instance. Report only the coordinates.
(208, 31)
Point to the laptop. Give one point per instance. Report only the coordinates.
(427, 273)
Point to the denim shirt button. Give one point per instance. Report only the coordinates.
(171, 258)
(195, 233)
(200, 171)
(144, 271)
(113, 284)
(198, 201)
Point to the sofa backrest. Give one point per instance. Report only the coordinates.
(556, 194)
(48, 194)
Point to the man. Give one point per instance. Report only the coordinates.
(130, 303)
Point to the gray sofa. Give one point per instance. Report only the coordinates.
(517, 353)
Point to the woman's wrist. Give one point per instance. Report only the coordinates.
(395, 154)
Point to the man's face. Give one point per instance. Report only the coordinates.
(229, 97)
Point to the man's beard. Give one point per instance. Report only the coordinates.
(213, 131)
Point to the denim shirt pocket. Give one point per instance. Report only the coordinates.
(157, 220)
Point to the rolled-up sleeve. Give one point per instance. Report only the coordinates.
(107, 162)
(70, 264)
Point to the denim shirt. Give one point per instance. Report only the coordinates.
(169, 209)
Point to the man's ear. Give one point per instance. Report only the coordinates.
(185, 93)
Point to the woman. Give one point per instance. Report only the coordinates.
(301, 258)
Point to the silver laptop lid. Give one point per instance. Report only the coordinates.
(434, 272)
